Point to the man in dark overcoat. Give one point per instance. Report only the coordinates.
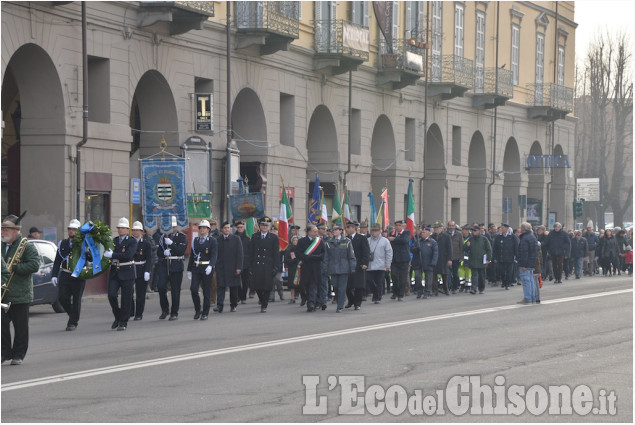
(264, 252)
(229, 265)
(355, 289)
(310, 251)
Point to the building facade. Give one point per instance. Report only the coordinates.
(469, 99)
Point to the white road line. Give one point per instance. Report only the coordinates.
(183, 357)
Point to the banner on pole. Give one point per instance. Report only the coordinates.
(163, 181)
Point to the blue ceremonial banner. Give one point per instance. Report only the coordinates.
(163, 182)
(315, 208)
(247, 205)
(373, 209)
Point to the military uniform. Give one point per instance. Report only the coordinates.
(264, 252)
(204, 254)
(19, 294)
(171, 270)
(70, 289)
(122, 276)
(143, 264)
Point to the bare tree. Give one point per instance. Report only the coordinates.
(604, 134)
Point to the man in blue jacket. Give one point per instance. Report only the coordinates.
(429, 253)
(505, 251)
(559, 246)
(592, 243)
(527, 253)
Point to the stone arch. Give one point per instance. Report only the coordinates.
(34, 135)
(477, 179)
(249, 126)
(322, 146)
(383, 162)
(511, 181)
(536, 184)
(435, 177)
(557, 202)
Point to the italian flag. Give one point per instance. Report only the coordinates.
(324, 218)
(250, 227)
(283, 220)
(337, 209)
(346, 207)
(410, 214)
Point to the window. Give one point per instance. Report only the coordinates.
(360, 12)
(98, 89)
(356, 131)
(456, 145)
(249, 14)
(479, 72)
(561, 65)
(414, 20)
(515, 53)
(540, 66)
(287, 119)
(325, 32)
(459, 24)
(410, 145)
(97, 207)
(46, 251)
(437, 39)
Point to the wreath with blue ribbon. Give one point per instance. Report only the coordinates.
(89, 244)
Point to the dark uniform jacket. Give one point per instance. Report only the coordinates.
(203, 251)
(177, 249)
(506, 248)
(21, 285)
(311, 263)
(265, 260)
(415, 250)
(143, 256)
(401, 247)
(527, 250)
(122, 266)
(230, 258)
(245, 240)
(61, 268)
(361, 248)
(429, 252)
(444, 245)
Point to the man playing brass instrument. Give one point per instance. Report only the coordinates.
(22, 261)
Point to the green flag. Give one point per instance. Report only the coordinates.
(249, 228)
(337, 209)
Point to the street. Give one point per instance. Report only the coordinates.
(249, 367)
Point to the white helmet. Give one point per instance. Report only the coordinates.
(204, 223)
(174, 223)
(123, 222)
(74, 224)
(137, 225)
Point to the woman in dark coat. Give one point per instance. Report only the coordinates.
(608, 252)
(229, 265)
(291, 263)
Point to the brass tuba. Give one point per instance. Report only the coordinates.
(14, 260)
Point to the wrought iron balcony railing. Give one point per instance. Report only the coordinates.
(451, 69)
(551, 95)
(402, 55)
(494, 81)
(203, 7)
(340, 37)
(280, 17)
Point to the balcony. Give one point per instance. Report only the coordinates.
(400, 63)
(549, 101)
(493, 87)
(270, 25)
(183, 16)
(340, 46)
(450, 76)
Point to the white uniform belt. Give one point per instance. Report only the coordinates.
(118, 264)
(204, 263)
(67, 271)
(174, 257)
(138, 263)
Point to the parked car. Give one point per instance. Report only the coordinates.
(44, 291)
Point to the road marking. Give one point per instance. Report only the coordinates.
(211, 353)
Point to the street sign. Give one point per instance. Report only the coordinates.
(588, 189)
(135, 191)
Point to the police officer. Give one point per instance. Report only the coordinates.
(143, 265)
(199, 269)
(265, 255)
(171, 253)
(70, 289)
(122, 274)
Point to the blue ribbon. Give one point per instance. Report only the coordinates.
(94, 250)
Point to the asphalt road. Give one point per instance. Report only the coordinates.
(247, 366)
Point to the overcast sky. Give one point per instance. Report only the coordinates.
(594, 16)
